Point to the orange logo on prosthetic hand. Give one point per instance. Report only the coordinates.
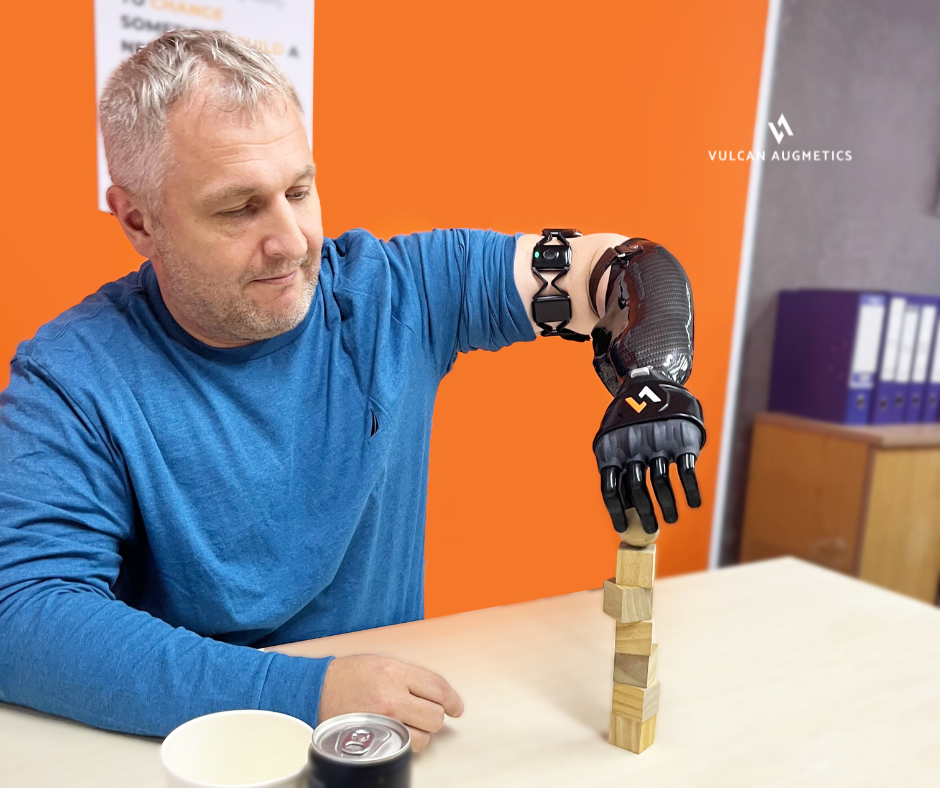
(645, 393)
(637, 406)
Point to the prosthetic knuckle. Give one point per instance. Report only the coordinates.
(642, 442)
(609, 450)
(648, 320)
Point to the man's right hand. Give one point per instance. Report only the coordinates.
(385, 685)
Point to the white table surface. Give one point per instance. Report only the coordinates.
(773, 674)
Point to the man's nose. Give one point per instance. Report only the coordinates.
(284, 238)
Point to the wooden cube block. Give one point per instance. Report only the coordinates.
(635, 638)
(637, 703)
(636, 669)
(636, 565)
(627, 603)
(631, 735)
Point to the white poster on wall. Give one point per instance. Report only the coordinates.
(282, 28)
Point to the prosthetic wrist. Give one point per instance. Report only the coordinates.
(643, 355)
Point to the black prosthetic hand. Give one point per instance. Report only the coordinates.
(651, 423)
(643, 354)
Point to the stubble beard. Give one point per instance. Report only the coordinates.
(229, 314)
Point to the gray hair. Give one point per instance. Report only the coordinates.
(138, 97)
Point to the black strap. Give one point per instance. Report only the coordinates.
(554, 308)
(623, 251)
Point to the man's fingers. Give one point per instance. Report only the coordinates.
(659, 477)
(686, 465)
(635, 473)
(427, 684)
(425, 715)
(610, 489)
(419, 738)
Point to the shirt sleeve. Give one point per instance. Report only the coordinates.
(465, 290)
(68, 646)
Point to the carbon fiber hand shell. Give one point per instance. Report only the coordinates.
(648, 320)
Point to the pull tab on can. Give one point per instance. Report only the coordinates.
(358, 740)
(360, 737)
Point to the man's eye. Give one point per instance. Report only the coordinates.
(250, 207)
(237, 212)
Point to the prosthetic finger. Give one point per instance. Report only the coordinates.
(640, 495)
(686, 465)
(625, 494)
(659, 477)
(610, 489)
(635, 536)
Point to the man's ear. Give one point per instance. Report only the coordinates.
(135, 218)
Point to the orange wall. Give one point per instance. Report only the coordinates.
(438, 115)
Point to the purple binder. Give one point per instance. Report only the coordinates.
(932, 397)
(826, 352)
(897, 353)
(920, 368)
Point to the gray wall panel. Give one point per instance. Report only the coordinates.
(862, 75)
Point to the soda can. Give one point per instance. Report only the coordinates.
(360, 751)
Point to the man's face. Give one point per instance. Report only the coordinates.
(239, 233)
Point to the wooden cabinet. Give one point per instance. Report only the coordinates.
(861, 500)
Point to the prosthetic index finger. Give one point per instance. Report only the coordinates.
(610, 489)
(659, 477)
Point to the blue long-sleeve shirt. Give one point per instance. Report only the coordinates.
(164, 504)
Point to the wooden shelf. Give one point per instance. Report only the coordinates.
(864, 500)
(895, 436)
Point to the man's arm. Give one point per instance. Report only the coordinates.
(585, 252)
(459, 283)
(67, 645)
(456, 290)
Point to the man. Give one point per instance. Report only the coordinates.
(195, 460)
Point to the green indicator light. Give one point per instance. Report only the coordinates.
(536, 255)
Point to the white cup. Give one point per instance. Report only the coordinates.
(247, 747)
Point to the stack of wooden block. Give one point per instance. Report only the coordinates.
(628, 599)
